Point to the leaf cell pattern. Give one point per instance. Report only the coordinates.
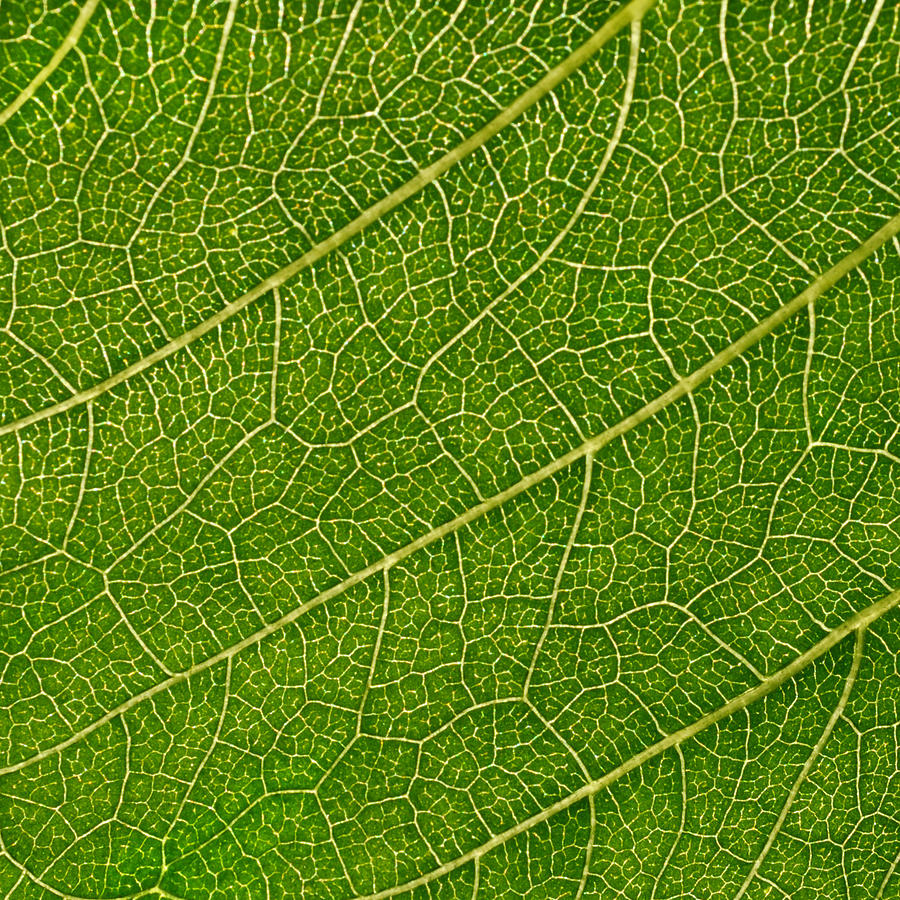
(536, 536)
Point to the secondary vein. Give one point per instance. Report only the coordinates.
(589, 447)
(627, 14)
(856, 623)
(69, 41)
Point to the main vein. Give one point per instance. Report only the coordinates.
(630, 12)
(589, 447)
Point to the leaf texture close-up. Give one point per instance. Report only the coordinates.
(450, 450)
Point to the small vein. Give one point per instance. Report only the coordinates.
(62, 51)
(680, 389)
(557, 581)
(858, 622)
(40, 358)
(808, 765)
(276, 353)
(551, 248)
(201, 118)
(209, 751)
(88, 450)
(624, 16)
(864, 39)
(134, 632)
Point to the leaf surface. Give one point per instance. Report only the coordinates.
(450, 451)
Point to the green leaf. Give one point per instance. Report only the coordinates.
(450, 451)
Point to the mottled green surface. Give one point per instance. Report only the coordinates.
(177, 156)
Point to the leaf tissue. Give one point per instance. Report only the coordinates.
(450, 450)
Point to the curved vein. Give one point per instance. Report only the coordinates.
(69, 41)
(808, 765)
(627, 14)
(227, 26)
(856, 623)
(549, 250)
(589, 447)
(560, 571)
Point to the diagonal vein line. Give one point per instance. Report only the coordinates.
(836, 714)
(856, 623)
(589, 447)
(69, 41)
(630, 12)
